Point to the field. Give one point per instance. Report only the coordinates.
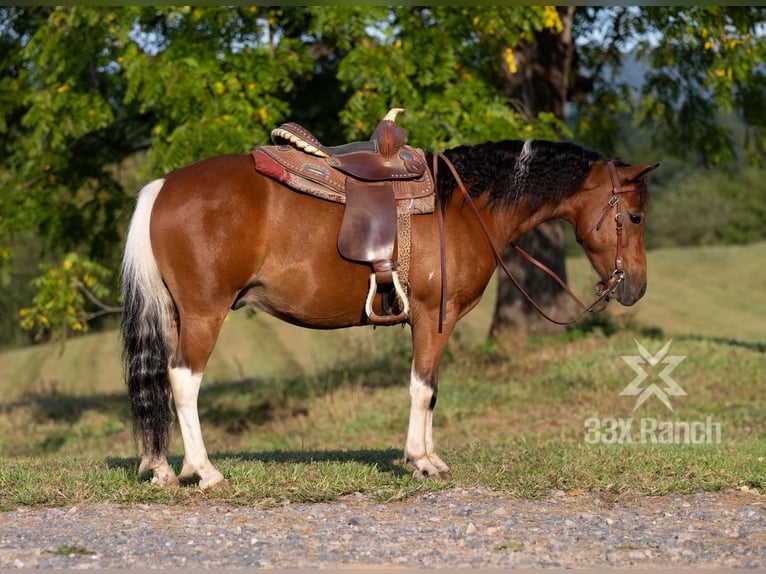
(303, 415)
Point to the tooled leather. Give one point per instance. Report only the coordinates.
(306, 170)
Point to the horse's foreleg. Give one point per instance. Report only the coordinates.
(419, 448)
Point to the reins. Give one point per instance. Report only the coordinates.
(614, 280)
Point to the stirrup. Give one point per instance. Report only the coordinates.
(400, 292)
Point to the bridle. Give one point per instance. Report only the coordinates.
(616, 277)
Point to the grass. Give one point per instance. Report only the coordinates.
(305, 416)
(714, 291)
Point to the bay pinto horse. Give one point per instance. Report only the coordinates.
(217, 235)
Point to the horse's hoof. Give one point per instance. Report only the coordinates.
(425, 474)
(421, 475)
(214, 483)
(165, 480)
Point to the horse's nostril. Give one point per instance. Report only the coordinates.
(642, 291)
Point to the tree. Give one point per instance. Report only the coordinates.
(543, 81)
(84, 90)
(699, 61)
(140, 83)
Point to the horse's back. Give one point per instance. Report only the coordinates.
(223, 232)
(226, 177)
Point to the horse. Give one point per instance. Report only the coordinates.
(217, 235)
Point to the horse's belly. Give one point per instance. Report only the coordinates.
(317, 302)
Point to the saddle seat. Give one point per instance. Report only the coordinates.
(378, 181)
(385, 157)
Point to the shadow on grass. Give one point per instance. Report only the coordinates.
(749, 345)
(235, 406)
(51, 405)
(608, 325)
(388, 460)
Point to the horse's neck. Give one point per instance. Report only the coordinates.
(518, 217)
(522, 220)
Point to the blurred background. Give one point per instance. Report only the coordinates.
(96, 101)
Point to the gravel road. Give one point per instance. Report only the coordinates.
(453, 528)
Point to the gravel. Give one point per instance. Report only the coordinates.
(457, 528)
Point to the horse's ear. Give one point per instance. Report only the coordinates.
(634, 173)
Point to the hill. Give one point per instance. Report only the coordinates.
(714, 292)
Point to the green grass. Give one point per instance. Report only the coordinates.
(308, 416)
(715, 291)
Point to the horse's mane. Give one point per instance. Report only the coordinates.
(542, 171)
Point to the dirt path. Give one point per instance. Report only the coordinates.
(454, 528)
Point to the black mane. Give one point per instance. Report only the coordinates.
(507, 171)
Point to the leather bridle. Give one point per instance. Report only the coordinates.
(616, 277)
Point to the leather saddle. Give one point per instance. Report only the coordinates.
(372, 178)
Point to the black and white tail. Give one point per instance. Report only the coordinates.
(147, 320)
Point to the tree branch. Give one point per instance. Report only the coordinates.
(104, 309)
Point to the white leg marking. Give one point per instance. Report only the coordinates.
(419, 449)
(186, 385)
(430, 450)
(420, 399)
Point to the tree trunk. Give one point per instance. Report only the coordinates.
(512, 311)
(542, 84)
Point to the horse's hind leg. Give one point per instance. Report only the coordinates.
(161, 470)
(196, 340)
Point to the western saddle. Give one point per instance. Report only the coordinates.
(381, 182)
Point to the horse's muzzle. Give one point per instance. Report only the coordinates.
(627, 291)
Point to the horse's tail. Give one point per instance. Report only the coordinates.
(147, 320)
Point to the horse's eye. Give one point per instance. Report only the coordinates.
(634, 218)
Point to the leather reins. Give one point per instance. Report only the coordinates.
(611, 284)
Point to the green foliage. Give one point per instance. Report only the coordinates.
(442, 64)
(86, 90)
(702, 60)
(709, 208)
(63, 125)
(222, 99)
(64, 295)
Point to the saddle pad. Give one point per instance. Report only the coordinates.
(315, 176)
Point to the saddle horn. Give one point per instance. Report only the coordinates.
(389, 136)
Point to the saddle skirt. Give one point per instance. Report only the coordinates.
(318, 176)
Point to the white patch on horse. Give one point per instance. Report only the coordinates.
(419, 448)
(440, 465)
(521, 171)
(185, 386)
(420, 399)
(139, 263)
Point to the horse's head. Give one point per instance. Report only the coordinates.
(609, 224)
